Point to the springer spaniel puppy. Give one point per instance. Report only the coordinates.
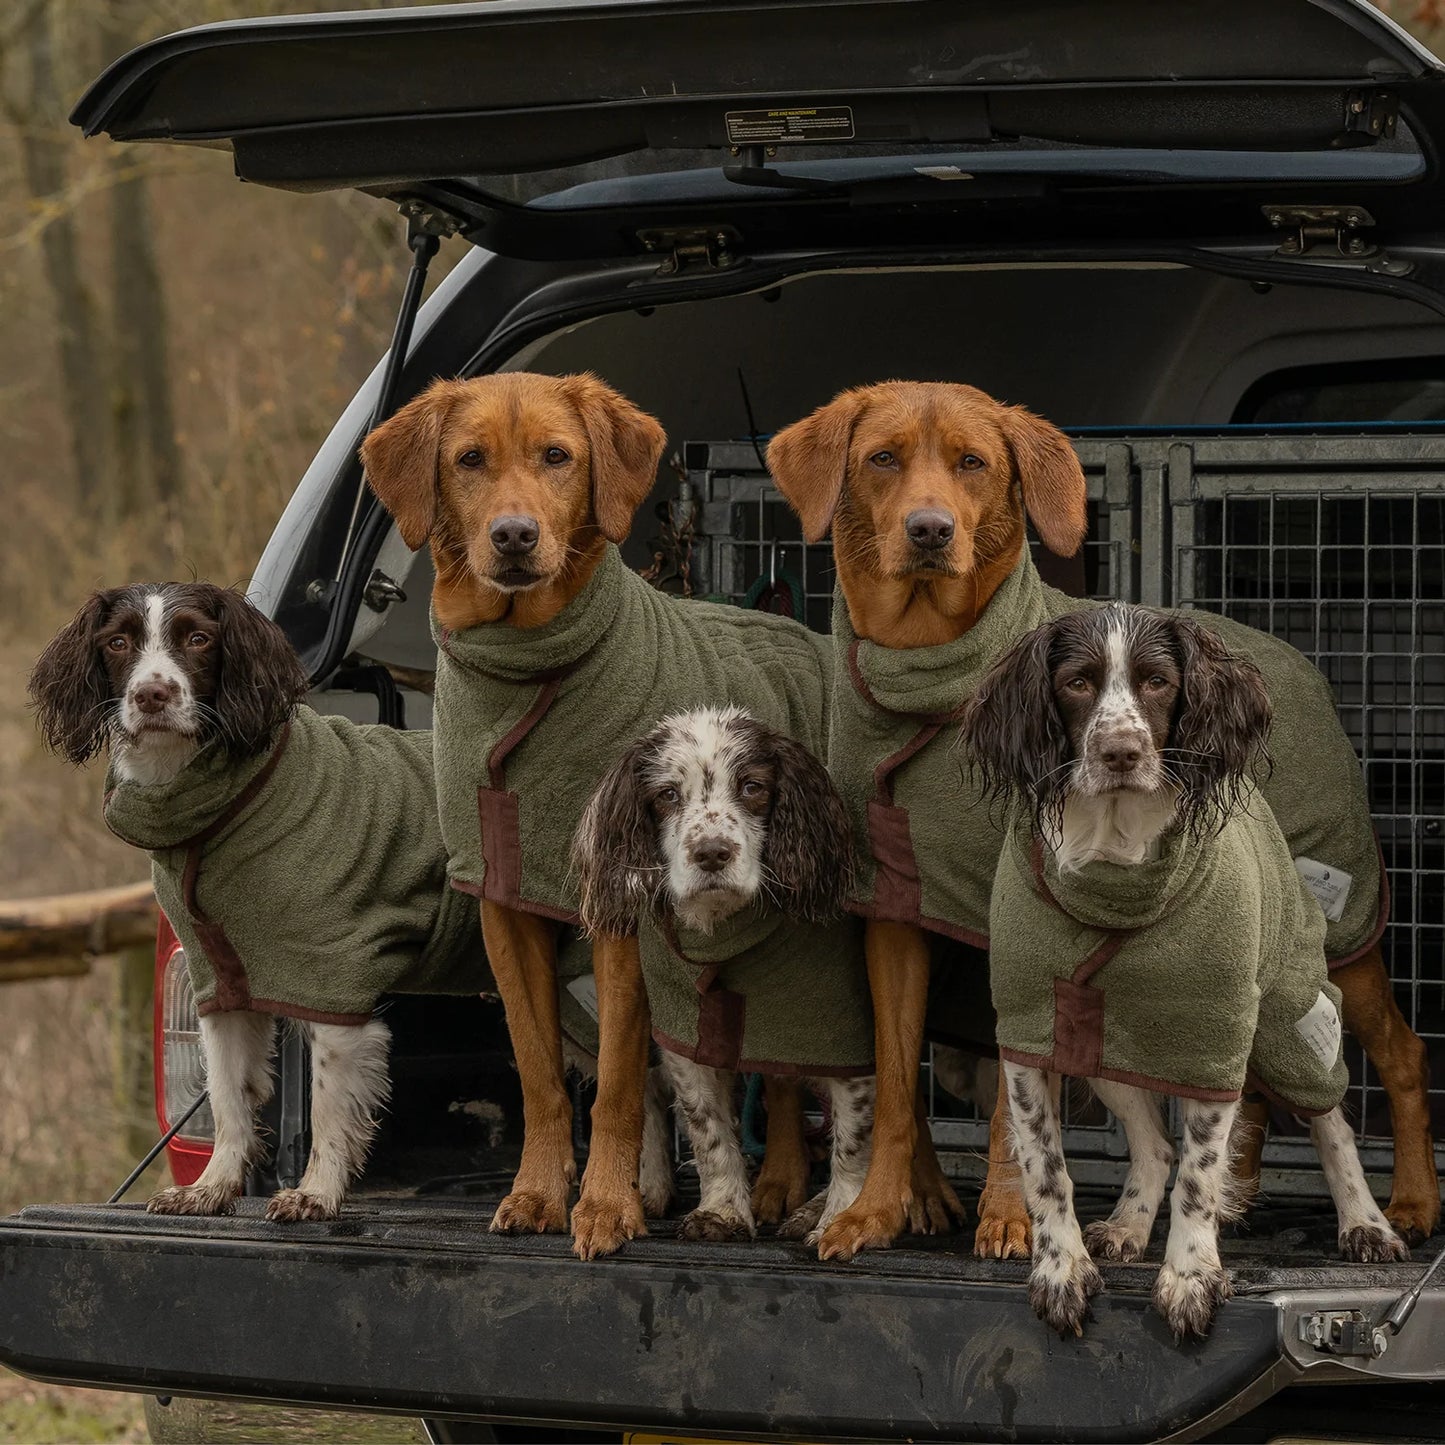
(726, 846)
(1149, 933)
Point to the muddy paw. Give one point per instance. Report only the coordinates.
(290, 1205)
(1060, 1291)
(1414, 1220)
(703, 1224)
(603, 1225)
(1189, 1301)
(1369, 1244)
(802, 1223)
(193, 1199)
(1104, 1239)
(527, 1213)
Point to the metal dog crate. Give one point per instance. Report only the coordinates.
(1335, 543)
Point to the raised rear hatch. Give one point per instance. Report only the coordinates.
(573, 127)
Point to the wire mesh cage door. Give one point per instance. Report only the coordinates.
(1337, 545)
(749, 550)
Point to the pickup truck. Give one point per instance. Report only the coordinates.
(1211, 239)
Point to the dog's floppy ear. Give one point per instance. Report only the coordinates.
(1012, 730)
(69, 686)
(614, 851)
(809, 460)
(626, 446)
(1221, 724)
(1051, 479)
(808, 854)
(401, 458)
(259, 678)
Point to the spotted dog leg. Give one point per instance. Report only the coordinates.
(1193, 1283)
(705, 1100)
(851, 1104)
(238, 1048)
(1124, 1235)
(1365, 1234)
(1064, 1277)
(350, 1084)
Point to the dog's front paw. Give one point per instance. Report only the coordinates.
(861, 1227)
(1109, 1239)
(290, 1205)
(1414, 1220)
(603, 1225)
(213, 1199)
(935, 1207)
(714, 1227)
(803, 1223)
(526, 1212)
(1004, 1231)
(1060, 1288)
(1371, 1244)
(1189, 1301)
(778, 1194)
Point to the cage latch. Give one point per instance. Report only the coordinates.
(706, 248)
(1331, 236)
(1343, 1332)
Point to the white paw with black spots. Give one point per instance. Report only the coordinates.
(1189, 1301)
(292, 1205)
(703, 1225)
(1060, 1288)
(1372, 1244)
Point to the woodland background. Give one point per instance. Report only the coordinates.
(173, 348)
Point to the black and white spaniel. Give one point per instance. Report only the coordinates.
(710, 812)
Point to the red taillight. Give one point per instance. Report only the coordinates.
(178, 1058)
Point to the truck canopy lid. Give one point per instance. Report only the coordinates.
(787, 108)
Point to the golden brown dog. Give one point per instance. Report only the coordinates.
(925, 487)
(518, 482)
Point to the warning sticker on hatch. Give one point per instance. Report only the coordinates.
(792, 125)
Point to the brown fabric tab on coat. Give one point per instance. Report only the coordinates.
(1078, 1029)
(720, 1016)
(499, 814)
(529, 719)
(897, 887)
(233, 988)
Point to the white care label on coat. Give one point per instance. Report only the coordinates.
(1330, 886)
(584, 990)
(1320, 1029)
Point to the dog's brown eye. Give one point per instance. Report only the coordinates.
(198, 639)
(1157, 681)
(556, 457)
(753, 789)
(667, 795)
(472, 458)
(1078, 684)
(971, 463)
(883, 459)
(118, 644)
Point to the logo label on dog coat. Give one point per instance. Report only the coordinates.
(1330, 886)
(1320, 1029)
(584, 990)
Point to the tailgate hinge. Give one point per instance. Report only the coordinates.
(1374, 113)
(1330, 236)
(1343, 1332)
(704, 248)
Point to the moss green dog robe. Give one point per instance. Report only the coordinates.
(762, 993)
(528, 720)
(1183, 974)
(928, 845)
(309, 881)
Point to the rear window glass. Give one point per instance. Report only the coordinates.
(1412, 391)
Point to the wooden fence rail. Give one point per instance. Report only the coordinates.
(47, 937)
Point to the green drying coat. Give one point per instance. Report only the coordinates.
(761, 994)
(311, 880)
(928, 842)
(1186, 974)
(528, 720)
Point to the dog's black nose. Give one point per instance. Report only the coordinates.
(514, 536)
(1120, 757)
(711, 855)
(152, 697)
(930, 528)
